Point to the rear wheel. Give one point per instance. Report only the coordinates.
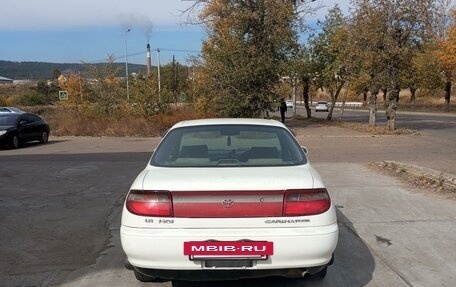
(44, 137)
(320, 275)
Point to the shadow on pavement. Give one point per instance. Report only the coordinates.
(33, 144)
(354, 266)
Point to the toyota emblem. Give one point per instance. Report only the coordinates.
(228, 203)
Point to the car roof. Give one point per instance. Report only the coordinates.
(228, 121)
(8, 110)
(12, 114)
(17, 114)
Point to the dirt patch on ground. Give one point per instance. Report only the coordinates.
(361, 127)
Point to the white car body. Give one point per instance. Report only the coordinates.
(289, 103)
(154, 245)
(322, 107)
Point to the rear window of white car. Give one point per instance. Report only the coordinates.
(227, 146)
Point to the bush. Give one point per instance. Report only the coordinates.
(85, 120)
(33, 99)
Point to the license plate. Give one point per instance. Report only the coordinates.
(227, 249)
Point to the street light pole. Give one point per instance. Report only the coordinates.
(126, 64)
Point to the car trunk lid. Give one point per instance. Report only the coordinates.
(227, 204)
(231, 193)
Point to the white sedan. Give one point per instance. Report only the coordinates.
(228, 199)
(322, 107)
(290, 104)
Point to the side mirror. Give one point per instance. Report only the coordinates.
(305, 150)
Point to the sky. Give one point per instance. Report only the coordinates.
(75, 31)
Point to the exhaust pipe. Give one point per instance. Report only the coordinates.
(296, 273)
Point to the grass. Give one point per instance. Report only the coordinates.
(71, 122)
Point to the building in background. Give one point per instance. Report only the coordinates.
(4, 80)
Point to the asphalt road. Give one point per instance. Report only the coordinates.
(60, 211)
(436, 124)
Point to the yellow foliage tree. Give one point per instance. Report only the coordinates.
(249, 48)
(73, 85)
(446, 55)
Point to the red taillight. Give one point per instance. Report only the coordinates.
(306, 202)
(150, 203)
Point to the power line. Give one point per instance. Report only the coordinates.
(179, 50)
(115, 58)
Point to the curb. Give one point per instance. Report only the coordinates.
(442, 179)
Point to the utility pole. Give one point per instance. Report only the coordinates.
(80, 85)
(126, 64)
(177, 81)
(174, 79)
(158, 70)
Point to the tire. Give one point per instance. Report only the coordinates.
(178, 283)
(320, 275)
(143, 278)
(44, 138)
(15, 142)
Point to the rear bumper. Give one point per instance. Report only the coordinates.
(160, 251)
(215, 275)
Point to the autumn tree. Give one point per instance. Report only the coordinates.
(248, 46)
(425, 72)
(48, 90)
(367, 28)
(306, 71)
(330, 55)
(425, 69)
(144, 97)
(397, 31)
(77, 87)
(175, 80)
(108, 90)
(446, 55)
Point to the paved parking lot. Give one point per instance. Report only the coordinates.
(61, 202)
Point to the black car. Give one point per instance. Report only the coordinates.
(20, 127)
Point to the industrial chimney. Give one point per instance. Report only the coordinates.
(148, 60)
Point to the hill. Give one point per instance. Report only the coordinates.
(45, 70)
